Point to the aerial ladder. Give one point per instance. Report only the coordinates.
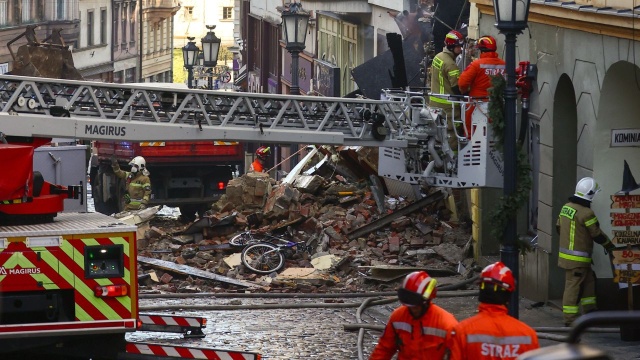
(408, 132)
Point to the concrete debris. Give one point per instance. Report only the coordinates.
(325, 262)
(360, 238)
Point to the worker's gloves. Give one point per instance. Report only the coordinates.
(608, 247)
(142, 206)
(127, 198)
(114, 161)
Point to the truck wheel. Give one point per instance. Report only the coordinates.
(188, 213)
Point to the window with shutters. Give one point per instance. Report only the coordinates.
(132, 24)
(188, 13)
(90, 25)
(116, 17)
(227, 13)
(61, 9)
(39, 9)
(123, 23)
(338, 45)
(3, 13)
(26, 11)
(103, 26)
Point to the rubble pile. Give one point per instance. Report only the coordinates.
(356, 247)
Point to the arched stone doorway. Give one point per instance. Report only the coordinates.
(565, 157)
(618, 109)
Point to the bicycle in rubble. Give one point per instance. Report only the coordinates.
(266, 257)
(252, 237)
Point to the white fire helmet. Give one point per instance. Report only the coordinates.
(138, 163)
(586, 188)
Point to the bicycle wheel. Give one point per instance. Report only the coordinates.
(262, 258)
(242, 240)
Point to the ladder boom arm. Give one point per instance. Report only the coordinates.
(146, 112)
(107, 129)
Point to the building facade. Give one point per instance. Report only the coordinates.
(587, 57)
(341, 36)
(92, 56)
(16, 15)
(125, 40)
(195, 15)
(156, 39)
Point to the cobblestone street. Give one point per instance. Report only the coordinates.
(318, 333)
(277, 334)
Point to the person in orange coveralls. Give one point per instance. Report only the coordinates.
(475, 80)
(261, 158)
(492, 333)
(417, 329)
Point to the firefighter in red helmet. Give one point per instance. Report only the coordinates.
(261, 158)
(417, 329)
(475, 80)
(492, 333)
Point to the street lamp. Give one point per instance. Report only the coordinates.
(190, 55)
(294, 22)
(210, 50)
(511, 19)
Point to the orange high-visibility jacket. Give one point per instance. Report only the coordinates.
(414, 339)
(475, 80)
(491, 335)
(257, 166)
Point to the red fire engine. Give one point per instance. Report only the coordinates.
(68, 281)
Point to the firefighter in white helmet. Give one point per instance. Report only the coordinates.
(579, 228)
(138, 187)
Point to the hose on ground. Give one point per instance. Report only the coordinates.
(267, 295)
(455, 286)
(373, 298)
(362, 307)
(294, 306)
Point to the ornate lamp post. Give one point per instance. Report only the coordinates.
(294, 28)
(190, 56)
(210, 50)
(511, 19)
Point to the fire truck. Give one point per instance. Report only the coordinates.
(68, 281)
(190, 175)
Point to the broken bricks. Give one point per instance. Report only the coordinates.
(407, 236)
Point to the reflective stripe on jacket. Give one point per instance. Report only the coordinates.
(414, 339)
(138, 187)
(578, 227)
(492, 334)
(476, 78)
(444, 75)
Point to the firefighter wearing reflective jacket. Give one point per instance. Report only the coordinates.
(261, 158)
(444, 80)
(492, 333)
(417, 329)
(475, 80)
(138, 187)
(579, 228)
